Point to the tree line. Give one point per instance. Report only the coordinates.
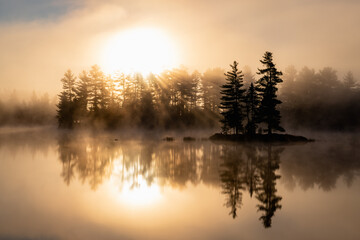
(173, 99)
(36, 110)
(320, 100)
(179, 99)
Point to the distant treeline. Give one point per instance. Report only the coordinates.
(37, 110)
(319, 100)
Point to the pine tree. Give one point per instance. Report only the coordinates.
(266, 86)
(231, 100)
(96, 81)
(66, 106)
(349, 80)
(252, 103)
(82, 95)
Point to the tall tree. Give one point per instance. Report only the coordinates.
(266, 86)
(231, 100)
(252, 103)
(69, 87)
(96, 79)
(66, 106)
(82, 96)
(349, 80)
(211, 83)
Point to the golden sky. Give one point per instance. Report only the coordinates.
(41, 39)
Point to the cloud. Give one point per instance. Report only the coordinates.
(35, 53)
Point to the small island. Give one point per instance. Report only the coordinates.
(256, 106)
(283, 138)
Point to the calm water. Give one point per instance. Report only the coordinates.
(61, 186)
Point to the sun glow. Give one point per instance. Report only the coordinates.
(140, 195)
(131, 188)
(141, 50)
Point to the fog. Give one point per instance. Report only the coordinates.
(182, 100)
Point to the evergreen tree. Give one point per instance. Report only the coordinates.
(69, 87)
(349, 80)
(232, 97)
(194, 93)
(147, 110)
(211, 83)
(66, 106)
(252, 102)
(266, 86)
(98, 94)
(82, 96)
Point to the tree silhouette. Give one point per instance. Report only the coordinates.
(231, 100)
(147, 110)
(82, 97)
(349, 80)
(266, 86)
(252, 103)
(66, 106)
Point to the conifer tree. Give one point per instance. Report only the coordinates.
(96, 82)
(66, 106)
(349, 80)
(252, 103)
(266, 86)
(83, 95)
(231, 100)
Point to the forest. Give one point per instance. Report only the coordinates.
(179, 99)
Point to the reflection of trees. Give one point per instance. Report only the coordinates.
(93, 160)
(255, 174)
(321, 164)
(236, 168)
(232, 178)
(266, 191)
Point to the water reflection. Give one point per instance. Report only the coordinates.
(140, 169)
(269, 202)
(237, 169)
(96, 159)
(251, 168)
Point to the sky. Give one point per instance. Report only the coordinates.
(41, 39)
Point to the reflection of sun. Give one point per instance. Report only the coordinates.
(142, 194)
(141, 50)
(131, 188)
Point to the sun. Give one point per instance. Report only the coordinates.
(141, 50)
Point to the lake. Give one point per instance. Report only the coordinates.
(61, 185)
